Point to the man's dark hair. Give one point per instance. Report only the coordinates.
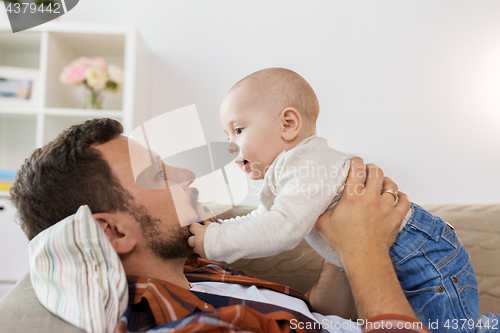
(65, 174)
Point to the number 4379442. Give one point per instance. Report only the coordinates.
(463, 323)
(26, 7)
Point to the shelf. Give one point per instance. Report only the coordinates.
(91, 44)
(18, 110)
(47, 49)
(65, 47)
(70, 112)
(20, 50)
(17, 139)
(74, 27)
(85, 27)
(13, 244)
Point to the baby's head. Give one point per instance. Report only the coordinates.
(267, 112)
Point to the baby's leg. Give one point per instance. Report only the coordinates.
(436, 274)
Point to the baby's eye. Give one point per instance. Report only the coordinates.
(238, 131)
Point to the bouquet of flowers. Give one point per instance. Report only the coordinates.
(96, 75)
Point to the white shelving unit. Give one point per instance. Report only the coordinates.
(48, 49)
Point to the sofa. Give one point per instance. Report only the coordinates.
(477, 225)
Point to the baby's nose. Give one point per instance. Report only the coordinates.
(232, 148)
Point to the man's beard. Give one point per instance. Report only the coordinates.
(166, 247)
(193, 196)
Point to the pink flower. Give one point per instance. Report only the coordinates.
(93, 72)
(100, 62)
(81, 61)
(74, 74)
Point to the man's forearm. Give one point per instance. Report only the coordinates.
(362, 228)
(332, 295)
(375, 286)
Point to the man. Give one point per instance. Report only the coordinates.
(90, 164)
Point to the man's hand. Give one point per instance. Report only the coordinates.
(365, 220)
(362, 228)
(196, 240)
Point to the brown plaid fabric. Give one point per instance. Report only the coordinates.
(167, 307)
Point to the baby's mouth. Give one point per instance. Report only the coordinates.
(246, 165)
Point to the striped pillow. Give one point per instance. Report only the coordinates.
(77, 275)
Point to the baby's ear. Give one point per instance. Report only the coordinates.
(291, 123)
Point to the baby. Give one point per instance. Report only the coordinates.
(271, 115)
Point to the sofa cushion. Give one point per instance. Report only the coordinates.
(478, 227)
(21, 312)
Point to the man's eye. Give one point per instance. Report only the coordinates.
(238, 130)
(160, 175)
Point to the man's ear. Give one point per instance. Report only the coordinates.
(291, 123)
(116, 228)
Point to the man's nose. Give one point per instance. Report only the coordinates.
(232, 147)
(181, 176)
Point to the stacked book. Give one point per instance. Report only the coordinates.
(6, 179)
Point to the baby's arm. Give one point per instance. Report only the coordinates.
(259, 210)
(303, 194)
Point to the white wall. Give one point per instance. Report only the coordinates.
(412, 85)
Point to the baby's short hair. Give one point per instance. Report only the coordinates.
(284, 88)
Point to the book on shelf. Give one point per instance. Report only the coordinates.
(6, 179)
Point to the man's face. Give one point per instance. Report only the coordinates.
(163, 205)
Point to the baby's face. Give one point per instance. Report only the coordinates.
(254, 129)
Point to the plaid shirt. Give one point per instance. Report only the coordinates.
(156, 303)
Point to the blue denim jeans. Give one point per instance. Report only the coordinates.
(436, 274)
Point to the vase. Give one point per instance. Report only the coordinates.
(93, 99)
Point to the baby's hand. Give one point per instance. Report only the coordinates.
(196, 240)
